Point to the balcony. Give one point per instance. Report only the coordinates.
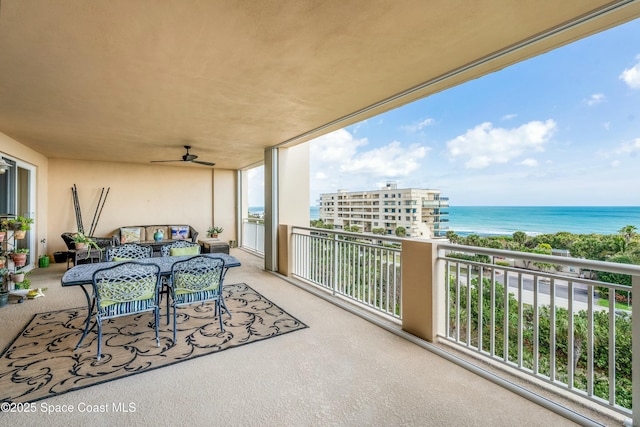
(354, 365)
(368, 271)
(441, 203)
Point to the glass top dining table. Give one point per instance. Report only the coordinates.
(82, 275)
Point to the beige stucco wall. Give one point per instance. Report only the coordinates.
(139, 194)
(293, 180)
(225, 204)
(13, 149)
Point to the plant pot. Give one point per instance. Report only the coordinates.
(19, 234)
(3, 234)
(2, 262)
(4, 298)
(60, 257)
(19, 259)
(80, 245)
(17, 277)
(43, 262)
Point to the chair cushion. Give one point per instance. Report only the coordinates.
(189, 250)
(127, 292)
(189, 297)
(118, 258)
(180, 232)
(128, 307)
(186, 283)
(130, 234)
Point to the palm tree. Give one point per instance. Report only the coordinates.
(628, 232)
(453, 237)
(520, 237)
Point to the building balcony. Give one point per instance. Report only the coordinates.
(431, 204)
(402, 281)
(342, 370)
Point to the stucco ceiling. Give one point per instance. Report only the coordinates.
(134, 81)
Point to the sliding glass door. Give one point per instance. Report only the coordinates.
(17, 198)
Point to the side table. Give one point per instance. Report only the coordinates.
(213, 245)
(85, 256)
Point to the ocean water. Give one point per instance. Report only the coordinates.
(533, 220)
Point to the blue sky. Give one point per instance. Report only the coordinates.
(560, 129)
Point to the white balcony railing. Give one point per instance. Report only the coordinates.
(550, 321)
(253, 234)
(364, 268)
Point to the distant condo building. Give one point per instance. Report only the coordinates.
(422, 213)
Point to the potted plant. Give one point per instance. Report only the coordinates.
(20, 225)
(3, 230)
(25, 284)
(83, 241)
(17, 276)
(214, 231)
(19, 257)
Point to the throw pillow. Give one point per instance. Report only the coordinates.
(129, 234)
(189, 250)
(118, 258)
(179, 232)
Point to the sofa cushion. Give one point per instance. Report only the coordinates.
(180, 232)
(130, 234)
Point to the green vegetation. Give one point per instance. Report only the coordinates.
(546, 346)
(601, 247)
(623, 247)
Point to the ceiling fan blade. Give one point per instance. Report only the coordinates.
(203, 163)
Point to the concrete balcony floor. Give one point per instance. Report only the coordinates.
(341, 371)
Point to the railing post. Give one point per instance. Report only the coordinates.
(336, 265)
(635, 356)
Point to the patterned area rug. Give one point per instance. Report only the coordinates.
(41, 363)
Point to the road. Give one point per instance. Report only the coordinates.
(580, 291)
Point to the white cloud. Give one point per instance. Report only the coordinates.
(335, 147)
(615, 163)
(485, 145)
(419, 126)
(509, 116)
(631, 76)
(340, 161)
(595, 99)
(629, 147)
(391, 161)
(532, 163)
(340, 152)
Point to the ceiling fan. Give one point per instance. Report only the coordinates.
(191, 158)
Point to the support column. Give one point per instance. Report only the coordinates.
(271, 209)
(419, 289)
(286, 186)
